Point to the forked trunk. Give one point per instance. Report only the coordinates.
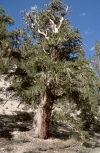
(42, 117)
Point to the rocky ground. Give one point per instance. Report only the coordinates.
(23, 142)
(16, 134)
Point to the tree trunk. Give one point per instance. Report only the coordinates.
(53, 52)
(42, 117)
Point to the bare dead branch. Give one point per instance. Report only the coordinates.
(54, 27)
(44, 34)
(61, 20)
(39, 31)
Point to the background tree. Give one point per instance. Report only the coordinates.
(50, 65)
(5, 38)
(95, 64)
(95, 60)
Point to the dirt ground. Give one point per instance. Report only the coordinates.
(22, 142)
(16, 135)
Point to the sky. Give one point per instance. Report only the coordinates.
(84, 16)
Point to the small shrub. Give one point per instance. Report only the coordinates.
(9, 148)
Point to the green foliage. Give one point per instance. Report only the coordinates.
(5, 20)
(3, 67)
(5, 39)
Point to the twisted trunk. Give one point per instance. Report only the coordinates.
(42, 117)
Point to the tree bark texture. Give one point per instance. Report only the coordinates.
(42, 117)
(53, 52)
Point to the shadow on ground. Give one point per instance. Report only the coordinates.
(22, 121)
(63, 132)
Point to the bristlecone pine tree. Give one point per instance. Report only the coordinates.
(95, 64)
(95, 60)
(5, 38)
(50, 65)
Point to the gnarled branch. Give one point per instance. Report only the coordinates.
(44, 34)
(56, 28)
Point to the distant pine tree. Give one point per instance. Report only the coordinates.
(5, 38)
